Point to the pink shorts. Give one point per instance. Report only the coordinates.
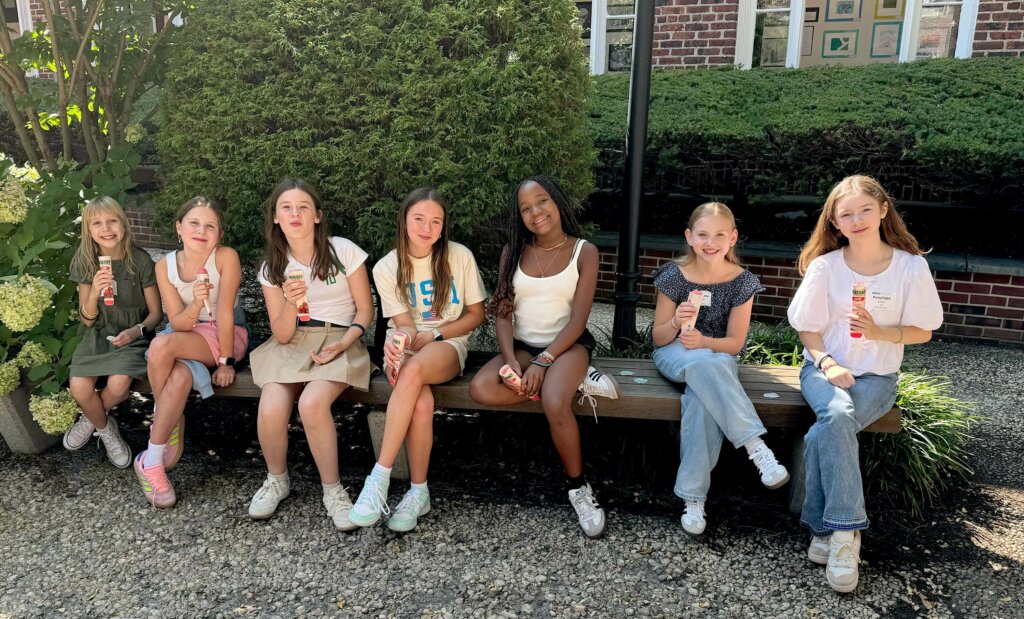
(209, 332)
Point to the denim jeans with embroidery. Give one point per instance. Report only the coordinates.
(834, 499)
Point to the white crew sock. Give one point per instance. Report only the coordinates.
(281, 477)
(154, 455)
(752, 445)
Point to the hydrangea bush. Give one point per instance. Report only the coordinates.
(39, 225)
(54, 412)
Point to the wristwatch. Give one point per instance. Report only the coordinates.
(437, 334)
(228, 361)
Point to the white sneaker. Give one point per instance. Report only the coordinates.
(414, 504)
(372, 502)
(817, 552)
(843, 568)
(589, 512)
(118, 452)
(338, 507)
(773, 474)
(693, 517)
(79, 434)
(264, 503)
(599, 384)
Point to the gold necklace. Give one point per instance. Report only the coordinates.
(544, 271)
(565, 237)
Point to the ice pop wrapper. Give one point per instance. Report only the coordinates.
(514, 379)
(400, 339)
(858, 293)
(695, 299)
(204, 276)
(303, 304)
(108, 292)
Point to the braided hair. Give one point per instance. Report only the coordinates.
(518, 236)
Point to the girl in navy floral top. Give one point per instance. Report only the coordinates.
(714, 405)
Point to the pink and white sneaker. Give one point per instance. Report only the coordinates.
(175, 445)
(155, 485)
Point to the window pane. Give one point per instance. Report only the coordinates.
(11, 17)
(772, 4)
(620, 44)
(621, 7)
(851, 32)
(771, 35)
(586, 15)
(937, 35)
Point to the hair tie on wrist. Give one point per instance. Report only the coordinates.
(356, 324)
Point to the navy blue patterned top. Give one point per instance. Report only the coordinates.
(713, 319)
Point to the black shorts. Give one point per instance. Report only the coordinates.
(586, 340)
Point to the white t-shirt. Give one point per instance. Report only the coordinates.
(467, 289)
(903, 295)
(329, 301)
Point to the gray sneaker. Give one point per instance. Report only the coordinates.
(79, 434)
(414, 504)
(264, 503)
(817, 552)
(338, 506)
(589, 512)
(843, 568)
(118, 452)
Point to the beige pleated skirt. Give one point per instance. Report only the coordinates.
(274, 362)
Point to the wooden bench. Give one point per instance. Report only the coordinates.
(643, 394)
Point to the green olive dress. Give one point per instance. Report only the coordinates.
(95, 355)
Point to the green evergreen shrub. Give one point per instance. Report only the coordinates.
(952, 128)
(370, 100)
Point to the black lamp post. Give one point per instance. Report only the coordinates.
(628, 273)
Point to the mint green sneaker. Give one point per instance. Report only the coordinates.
(414, 504)
(372, 502)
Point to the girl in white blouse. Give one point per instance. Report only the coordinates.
(852, 353)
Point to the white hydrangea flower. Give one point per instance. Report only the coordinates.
(10, 377)
(135, 133)
(22, 302)
(13, 201)
(32, 355)
(54, 412)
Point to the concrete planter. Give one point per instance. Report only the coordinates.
(21, 433)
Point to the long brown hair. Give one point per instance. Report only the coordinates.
(325, 260)
(826, 237)
(439, 268)
(710, 209)
(86, 260)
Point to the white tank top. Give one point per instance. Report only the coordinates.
(543, 304)
(185, 288)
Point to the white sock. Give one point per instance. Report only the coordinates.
(328, 487)
(382, 473)
(418, 487)
(106, 429)
(154, 455)
(281, 477)
(752, 446)
(843, 536)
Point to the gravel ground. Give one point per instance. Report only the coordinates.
(77, 539)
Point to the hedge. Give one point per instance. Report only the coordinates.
(953, 128)
(370, 100)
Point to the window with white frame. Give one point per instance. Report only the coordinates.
(17, 16)
(608, 33)
(804, 33)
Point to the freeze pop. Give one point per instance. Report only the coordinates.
(400, 339)
(695, 299)
(514, 379)
(108, 292)
(859, 293)
(204, 276)
(303, 304)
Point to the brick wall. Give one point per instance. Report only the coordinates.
(694, 33)
(1000, 29)
(978, 306)
(140, 219)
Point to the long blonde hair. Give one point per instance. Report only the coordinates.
(710, 209)
(85, 260)
(826, 236)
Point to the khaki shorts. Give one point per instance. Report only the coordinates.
(274, 362)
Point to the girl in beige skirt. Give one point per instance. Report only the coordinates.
(318, 300)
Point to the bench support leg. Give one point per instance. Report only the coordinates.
(797, 476)
(400, 469)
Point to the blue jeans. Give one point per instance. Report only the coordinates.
(834, 499)
(714, 407)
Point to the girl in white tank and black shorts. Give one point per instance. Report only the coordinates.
(546, 283)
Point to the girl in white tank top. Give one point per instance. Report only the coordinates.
(546, 282)
(181, 358)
